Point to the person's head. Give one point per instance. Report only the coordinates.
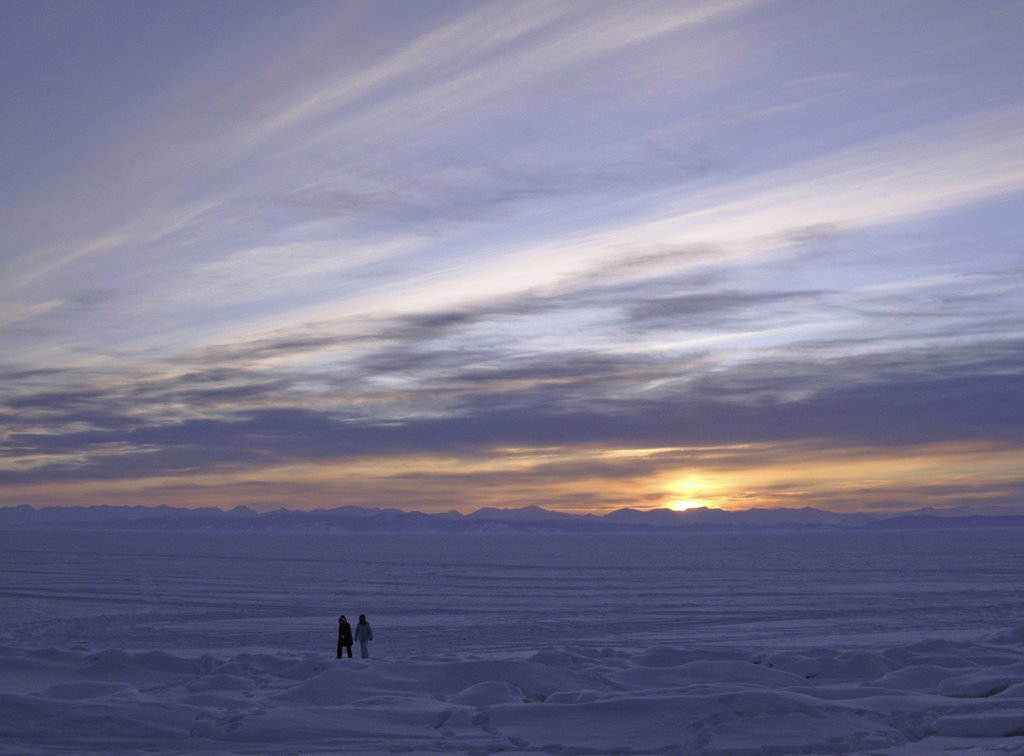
(362, 619)
(342, 618)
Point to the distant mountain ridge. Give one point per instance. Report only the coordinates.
(489, 520)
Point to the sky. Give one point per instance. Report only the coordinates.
(447, 255)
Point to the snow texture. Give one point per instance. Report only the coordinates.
(211, 644)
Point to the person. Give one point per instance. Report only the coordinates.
(364, 634)
(344, 636)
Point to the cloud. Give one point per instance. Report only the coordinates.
(589, 401)
(720, 309)
(568, 230)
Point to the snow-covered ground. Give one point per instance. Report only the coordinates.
(874, 643)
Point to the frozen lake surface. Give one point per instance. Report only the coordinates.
(430, 594)
(837, 642)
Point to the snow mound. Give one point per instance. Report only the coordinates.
(923, 698)
(1004, 724)
(982, 684)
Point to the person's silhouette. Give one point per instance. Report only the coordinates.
(344, 636)
(364, 634)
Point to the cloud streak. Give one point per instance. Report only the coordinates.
(483, 254)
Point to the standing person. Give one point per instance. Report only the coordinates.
(364, 634)
(344, 636)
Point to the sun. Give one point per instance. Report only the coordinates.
(693, 491)
(682, 506)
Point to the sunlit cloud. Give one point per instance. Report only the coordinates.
(571, 255)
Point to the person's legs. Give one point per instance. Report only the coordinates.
(364, 650)
(349, 649)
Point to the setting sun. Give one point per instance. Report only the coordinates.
(682, 506)
(693, 491)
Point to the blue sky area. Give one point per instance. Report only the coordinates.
(445, 255)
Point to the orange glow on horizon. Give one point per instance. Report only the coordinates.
(682, 506)
(569, 480)
(695, 491)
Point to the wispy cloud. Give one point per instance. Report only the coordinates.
(562, 254)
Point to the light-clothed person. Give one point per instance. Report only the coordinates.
(363, 634)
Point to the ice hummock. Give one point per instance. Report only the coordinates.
(926, 697)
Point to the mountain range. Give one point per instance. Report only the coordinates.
(490, 520)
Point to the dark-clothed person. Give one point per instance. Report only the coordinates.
(344, 636)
